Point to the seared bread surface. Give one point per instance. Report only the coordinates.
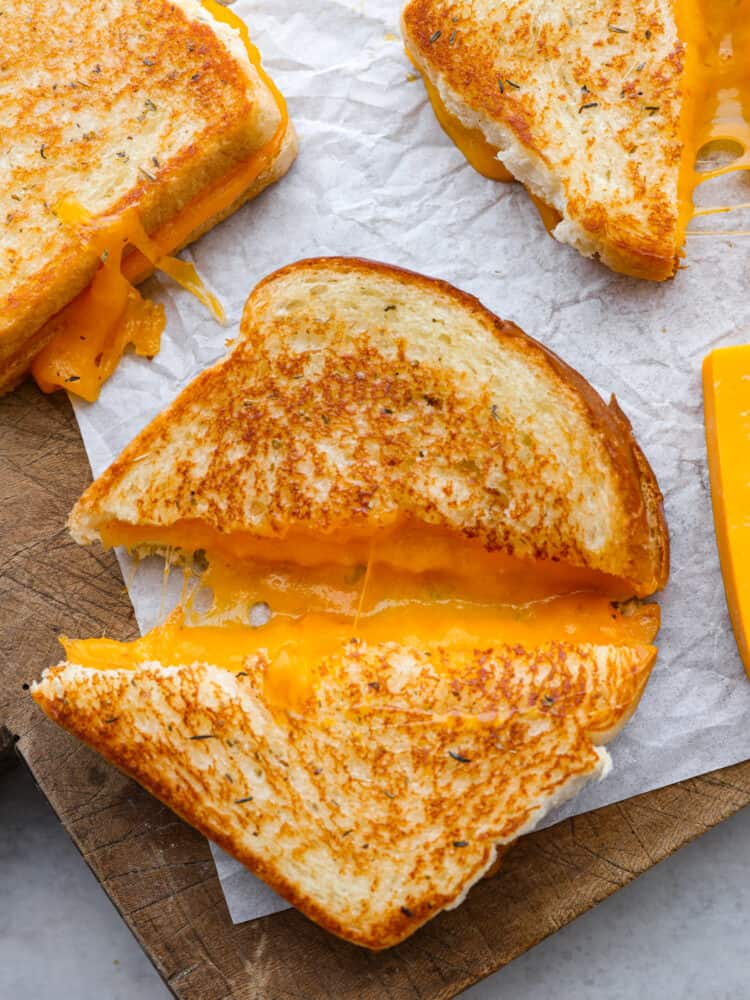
(383, 796)
(583, 103)
(371, 782)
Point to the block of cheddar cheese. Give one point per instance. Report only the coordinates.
(726, 392)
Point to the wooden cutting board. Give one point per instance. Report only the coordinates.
(159, 872)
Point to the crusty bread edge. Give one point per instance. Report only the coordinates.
(653, 501)
(604, 737)
(279, 166)
(619, 249)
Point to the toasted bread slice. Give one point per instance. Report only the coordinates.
(360, 394)
(148, 105)
(382, 794)
(582, 103)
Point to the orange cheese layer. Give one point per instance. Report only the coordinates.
(381, 603)
(94, 330)
(293, 646)
(91, 334)
(410, 583)
(726, 395)
(408, 546)
(317, 636)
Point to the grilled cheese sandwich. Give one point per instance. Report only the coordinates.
(609, 152)
(79, 345)
(408, 531)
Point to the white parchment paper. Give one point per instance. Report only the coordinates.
(376, 177)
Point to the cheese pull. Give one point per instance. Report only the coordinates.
(726, 392)
(716, 84)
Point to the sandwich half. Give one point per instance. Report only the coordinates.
(419, 545)
(600, 109)
(136, 126)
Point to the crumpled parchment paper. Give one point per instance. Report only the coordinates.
(376, 177)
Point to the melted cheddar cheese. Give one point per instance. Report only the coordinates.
(717, 92)
(412, 584)
(726, 394)
(406, 545)
(92, 332)
(293, 646)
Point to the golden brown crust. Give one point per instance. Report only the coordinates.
(381, 800)
(443, 443)
(586, 106)
(149, 124)
(656, 544)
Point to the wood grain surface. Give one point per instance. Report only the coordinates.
(159, 872)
